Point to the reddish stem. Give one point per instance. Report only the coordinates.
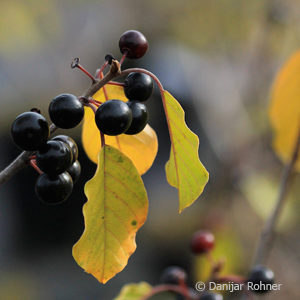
(102, 69)
(92, 106)
(123, 58)
(32, 162)
(95, 102)
(167, 288)
(116, 83)
(102, 137)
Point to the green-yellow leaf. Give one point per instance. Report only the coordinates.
(116, 208)
(134, 291)
(141, 148)
(184, 169)
(285, 109)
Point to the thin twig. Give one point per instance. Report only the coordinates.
(268, 233)
(22, 160)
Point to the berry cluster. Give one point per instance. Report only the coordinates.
(55, 159)
(115, 117)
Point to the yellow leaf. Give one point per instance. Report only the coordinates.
(184, 169)
(116, 208)
(140, 148)
(134, 291)
(285, 109)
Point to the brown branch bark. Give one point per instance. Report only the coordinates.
(268, 233)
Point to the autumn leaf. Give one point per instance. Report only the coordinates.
(285, 109)
(134, 291)
(116, 208)
(140, 148)
(184, 169)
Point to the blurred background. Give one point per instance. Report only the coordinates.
(218, 58)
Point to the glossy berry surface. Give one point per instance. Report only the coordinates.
(30, 131)
(66, 111)
(261, 275)
(210, 296)
(139, 117)
(54, 157)
(138, 86)
(113, 117)
(54, 190)
(70, 142)
(134, 43)
(202, 241)
(173, 275)
(75, 171)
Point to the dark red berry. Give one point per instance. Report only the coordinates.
(30, 131)
(260, 279)
(70, 142)
(210, 296)
(66, 111)
(133, 43)
(138, 86)
(202, 241)
(54, 190)
(113, 117)
(54, 157)
(139, 117)
(173, 275)
(75, 171)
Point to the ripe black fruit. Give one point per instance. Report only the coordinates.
(113, 117)
(54, 157)
(138, 86)
(70, 142)
(261, 276)
(54, 190)
(139, 117)
(210, 296)
(134, 43)
(173, 275)
(66, 111)
(75, 171)
(30, 131)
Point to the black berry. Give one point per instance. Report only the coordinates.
(134, 43)
(66, 111)
(113, 117)
(30, 131)
(54, 190)
(202, 241)
(138, 86)
(70, 142)
(210, 296)
(54, 157)
(139, 117)
(260, 279)
(75, 171)
(173, 275)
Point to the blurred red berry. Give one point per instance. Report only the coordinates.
(202, 241)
